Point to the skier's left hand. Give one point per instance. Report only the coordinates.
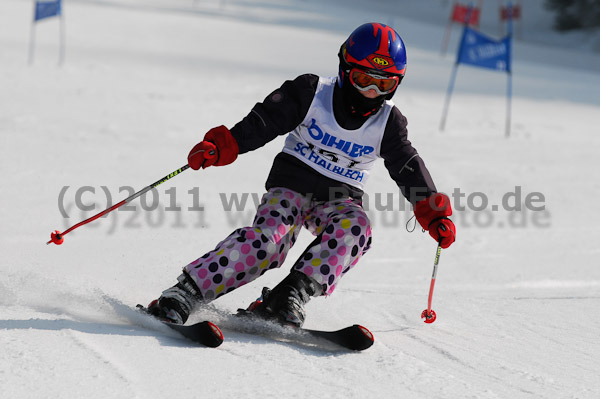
(432, 214)
(443, 231)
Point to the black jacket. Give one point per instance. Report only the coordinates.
(285, 108)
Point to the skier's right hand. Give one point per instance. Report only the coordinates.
(204, 154)
(218, 148)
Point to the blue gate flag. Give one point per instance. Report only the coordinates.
(480, 50)
(47, 9)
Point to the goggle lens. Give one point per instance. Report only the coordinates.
(364, 80)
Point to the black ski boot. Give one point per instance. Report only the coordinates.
(176, 303)
(285, 303)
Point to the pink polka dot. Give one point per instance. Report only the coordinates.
(308, 271)
(341, 251)
(202, 273)
(242, 283)
(331, 289)
(281, 228)
(264, 211)
(362, 221)
(333, 260)
(239, 267)
(250, 234)
(339, 233)
(271, 222)
(289, 195)
(246, 249)
(230, 282)
(206, 284)
(276, 238)
(338, 271)
(250, 260)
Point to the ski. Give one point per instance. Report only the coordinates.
(354, 337)
(204, 332)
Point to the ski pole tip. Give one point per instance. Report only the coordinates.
(428, 315)
(56, 238)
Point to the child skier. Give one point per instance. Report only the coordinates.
(336, 128)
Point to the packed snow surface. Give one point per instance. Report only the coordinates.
(517, 295)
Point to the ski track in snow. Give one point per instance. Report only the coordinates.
(124, 385)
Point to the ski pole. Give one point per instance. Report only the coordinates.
(57, 237)
(428, 314)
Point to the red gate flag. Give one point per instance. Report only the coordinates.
(460, 13)
(505, 12)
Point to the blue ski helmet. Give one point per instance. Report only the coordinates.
(373, 46)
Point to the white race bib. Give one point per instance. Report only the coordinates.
(321, 143)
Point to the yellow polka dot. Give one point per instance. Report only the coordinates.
(221, 252)
(340, 208)
(273, 201)
(316, 262)
(220, 288)
(264, 264)
(346, 223)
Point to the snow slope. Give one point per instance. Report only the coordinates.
(517, 296)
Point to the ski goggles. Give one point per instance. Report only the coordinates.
(367, 80)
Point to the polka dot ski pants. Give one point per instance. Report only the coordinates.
(341, 227)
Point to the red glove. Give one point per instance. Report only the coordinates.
(443, 231)
(432, 214)
(219, 148)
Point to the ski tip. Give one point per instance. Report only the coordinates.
(363, 338)
(215, 338)
(205, 333)
(368, 334)
(357, 338)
